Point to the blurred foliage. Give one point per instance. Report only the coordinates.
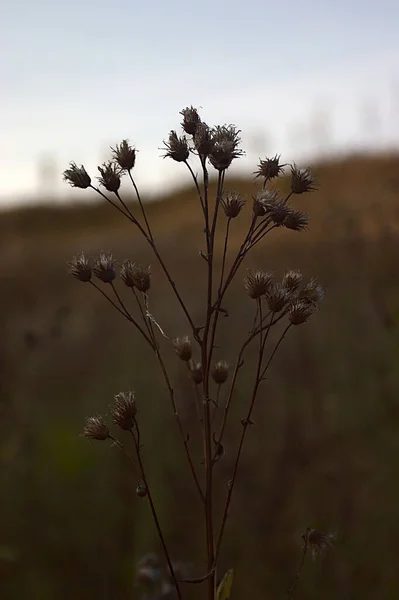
(324, 448)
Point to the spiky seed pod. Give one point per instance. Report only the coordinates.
(141, 490)
(269, 168)
(77, 176)
(195, 371)
(224, 149)
(191, 119)
(110, 176)
(257, 283)
(136, 276)
(176, 147)
(295, 220)
(292, 280)
(80, 268)
(277, 297)
(312, 292)
(124, 155)
(220, 372)
(258, 206)
(232, 204)
(203, 139)
(96, 429)
(318, 541)
(104, 267)
(124, 410)
(182, 347)
(300, 311)
(302, 180)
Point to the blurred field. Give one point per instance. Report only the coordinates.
(323, 452)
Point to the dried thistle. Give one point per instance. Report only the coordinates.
(277, 297)
(80, 268)
(318, 541)
(220, 372)
(124, 410)
(176, 147)
(224, 149)
(136, 276)
(104, 267)
(257, 283)
(196, 373)
(96, 429)
(295, 220)
(268, 202)
(203, 139)
(191, 119)
(313, 292)
(301, 180)
(269, 168)
(292, 280)
(232, 204)
(183, 348)
(110, 176)
(300, 311)
(124, 155)
(77, 176)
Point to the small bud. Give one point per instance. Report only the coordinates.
(292, 280)
(195, 371)
(182, 347)
(203, 140)
(277, 297)
(136, 276)
(80, 268)
(220, 372)
(124, 155)
(110, 176)
(312, 292)
(257, 283)
(300, 311)
(318, 541)
(96, 429)
(191, 119)
(295, 220)
(77, 176)
(302, 180)
(104, 267)
(232, 204)
(141, 490)
(225, 146)
(269, 168)
(177, 147)
(124, 410)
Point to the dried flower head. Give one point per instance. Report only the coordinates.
(318, 541)
(277, 297)
(295, 220)
(124, 410)
(220, 371)
(195, 371)
(203, 139)
(96, 429)
(136, 276)
(191, 119)
(104, 267)
(232, 204)
(224, 149)
(257, 283)
(110, 176)
(182, 347)
(292, 280)
(124, 155)
(313, 292)
(269, 168)
(80, 268)
(176, 147)
(268, 202)
(301, 180)
(300, 311)
(141, 490)
(77, 176)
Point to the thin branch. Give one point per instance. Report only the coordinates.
(141, 205)
(297, 577)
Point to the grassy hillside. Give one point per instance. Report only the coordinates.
(323, 452)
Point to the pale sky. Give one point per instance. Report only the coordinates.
(298, 78)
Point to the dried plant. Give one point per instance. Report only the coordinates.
(278, 303)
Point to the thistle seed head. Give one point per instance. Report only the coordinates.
(318, 541)
(124, 155)
(220, 372)
(269, 168)
(80, 268)
(191, 119)
(195, 371)
(292, 280)
(77, 176)
(224, 149)
(300, 311)
(295, 220)
(136, 276)
(124, 410)
(313, 292)
(257, 283)
(176, 147)
(277, 297)
(182, 347)
(268, 202)
(96, 429)
(104, 267)
(203, 139)
(302, 180)
(232, 204)
(110, 176)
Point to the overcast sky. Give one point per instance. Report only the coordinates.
(296, 77)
